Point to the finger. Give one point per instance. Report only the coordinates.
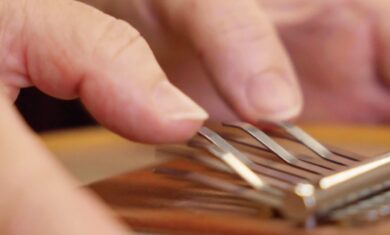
(241, 51)
(37, 197)
(292, 12)
(73, 50)
(378, 11)
(10, 92)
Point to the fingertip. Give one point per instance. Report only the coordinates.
(155, 113)
(173, 105)
(176, 117)
(151, 129)
(289, 113)
(273, 97)
(168, 133)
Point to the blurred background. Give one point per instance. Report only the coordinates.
(44, 113)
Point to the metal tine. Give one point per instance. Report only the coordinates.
(318, 162)
(273, 177)
(372, 215)
(284, 169)
(216, 139)
(263, 138)
(277, 149)
(280, 175)
(311, 170)
(235, 159)
(311, 175)
(364, 207)
(346, 154)
(275, 201)
(266, 198)
(273, 165)
(261, 166)
(359, 182)
(343, 176)
(307, 140)
(258, 135)
(367, 169)
(355, 157)
(335, 150)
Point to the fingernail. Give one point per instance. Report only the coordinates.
(274, 97)
(174, 105)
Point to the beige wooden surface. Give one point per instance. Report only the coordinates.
(93, 154)
(149, 202)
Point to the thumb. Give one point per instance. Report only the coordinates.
(37, 196)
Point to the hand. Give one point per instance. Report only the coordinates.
(341, 50)
(224, 54)
(70, 50)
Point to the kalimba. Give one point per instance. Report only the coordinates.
(238, 179)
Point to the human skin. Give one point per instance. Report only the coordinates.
(339, 48)
(224, 54)
(70, 50)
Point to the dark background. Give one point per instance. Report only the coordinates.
(44, 113)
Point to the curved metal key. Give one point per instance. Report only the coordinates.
(278, 150)
(331, 187)
(234, 159)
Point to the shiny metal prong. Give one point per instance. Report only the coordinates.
(357, 171)
(265, 140)
(253, 195)
(272, 177)
(234, 159)
(278, 150)
(330, 186)
(307, 140)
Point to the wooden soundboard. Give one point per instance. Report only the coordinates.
(120, 172)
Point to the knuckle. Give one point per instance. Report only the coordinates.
(236, 20)
(245, 30)
(115, 37)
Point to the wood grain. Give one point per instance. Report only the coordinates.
(154, 203)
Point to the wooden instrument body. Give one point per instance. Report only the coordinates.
(120, 173)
